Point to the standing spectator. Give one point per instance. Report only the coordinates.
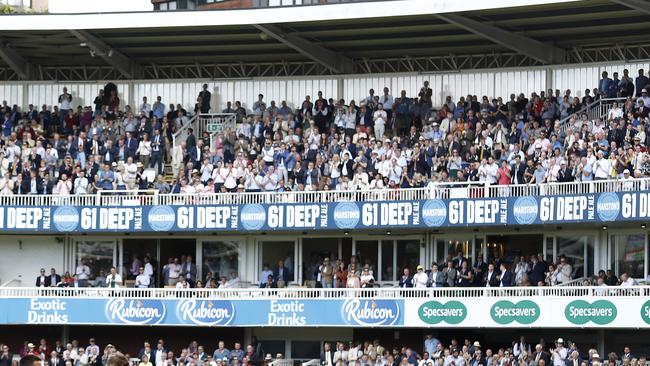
(65, 103)
(205, 97)
(158, 109)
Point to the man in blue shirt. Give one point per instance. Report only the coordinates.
(158, 108)
(606, 86)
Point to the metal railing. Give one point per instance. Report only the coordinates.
(595, 110)
(437, 191)
(322, 293)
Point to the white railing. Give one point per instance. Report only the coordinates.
(439, 191)
(181, 134)
(595, 110)
(212, 123)
(316, 293)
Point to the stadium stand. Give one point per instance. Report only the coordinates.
(384, 142)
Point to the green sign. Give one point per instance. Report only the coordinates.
(599, 312)
(213, 127)
(523, 312)
(434, 312)
(645, 312)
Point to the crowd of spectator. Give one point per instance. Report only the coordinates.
(353, 353)
(323, 272)
(377, 142)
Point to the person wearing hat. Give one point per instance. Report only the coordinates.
(540, 355)
(420, 278)
(559, 353)
(644, 99)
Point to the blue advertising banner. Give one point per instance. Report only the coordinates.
(434, 213)
(203, 312)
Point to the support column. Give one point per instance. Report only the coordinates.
(65, 334)
(340, 88)
(549, 79)
(600, 343)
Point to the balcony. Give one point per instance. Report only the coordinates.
(551, 307)
(439, 206)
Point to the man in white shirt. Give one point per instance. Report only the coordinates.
(82, 272)
(602, 167)
(145, 107)
(142, 280)
(340, 356)
(81, 183)
(380, 118)
(174, 272)
(113, 280)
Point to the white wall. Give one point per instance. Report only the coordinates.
(23, 256)
(98, 6)
(492, 83)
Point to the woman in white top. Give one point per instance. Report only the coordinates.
(6, 185)
(144, 150)
(64, 186)
(335, 173)
(521, 269)
(229, 176)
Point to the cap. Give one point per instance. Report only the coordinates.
(240, 186)
(139, 164)
(419, 267)
(113, 164)
(387, 140)
(626, 171)
(268, 357)
(644, 90)
(110, 346)
(595, 355)
(435, 124)
(477, 344)
(560, 340)
(538, 146)
(563, 162)
(30, 345)
(421, 138)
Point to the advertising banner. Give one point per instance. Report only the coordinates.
(542, 312)
(281, 312)
(438, 312)
(345, 215)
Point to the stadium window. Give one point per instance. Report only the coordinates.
(98, 255)
(630, 251)
(220, 257)
(305, 350)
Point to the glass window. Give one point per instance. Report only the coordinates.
(440, 252)
(367, 254)
(548, 256)
(275, 251)
(573, 248)
(317, 249)
(135, 251)
(387, 267)
(408, 254)
(630, 251)
(98, 256)
(220, 257)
